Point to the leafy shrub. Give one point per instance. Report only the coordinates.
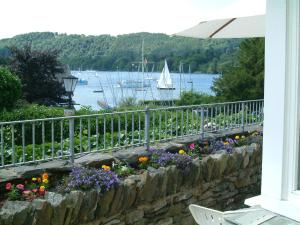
(31, 111)
(122, 170)
(10, 88)
(85, 179)
(193, 98)
(128, 102)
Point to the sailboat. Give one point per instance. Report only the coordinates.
(165, 81)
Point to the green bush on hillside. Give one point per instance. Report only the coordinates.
(193, 98)
(10, 88)
(31, 111)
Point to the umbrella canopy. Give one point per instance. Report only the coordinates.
(242, 27)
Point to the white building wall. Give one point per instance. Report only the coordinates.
(281, 112)
(274, 97)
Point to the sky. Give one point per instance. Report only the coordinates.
(95, 17)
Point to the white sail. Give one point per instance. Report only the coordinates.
(165, 81)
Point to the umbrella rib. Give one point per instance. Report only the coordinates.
(222, 27)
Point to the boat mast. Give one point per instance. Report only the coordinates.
(180, 68)
(143, 70)
(192, 84)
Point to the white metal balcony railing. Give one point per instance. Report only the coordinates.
(30, 141)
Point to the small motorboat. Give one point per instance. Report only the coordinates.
(82, 82)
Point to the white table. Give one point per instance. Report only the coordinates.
(256, 216)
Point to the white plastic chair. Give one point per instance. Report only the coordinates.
(206, 216)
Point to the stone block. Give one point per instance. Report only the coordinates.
(165, 221)
(58, 204)
(104, 203)
(42, 212)
(130, 193)
(95, 160)
(134, 216)
(15, 213)
(88, 206)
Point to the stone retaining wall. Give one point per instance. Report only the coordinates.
(157, 196)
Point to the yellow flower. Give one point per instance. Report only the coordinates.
(143, 159)
(237, 137)
(45, 176)
(106, 168)
(181, 152)
(34, 179)
(39, 180)
(45, 181)
(226, 143)
(243, 137)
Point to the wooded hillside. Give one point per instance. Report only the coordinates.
(105, 52)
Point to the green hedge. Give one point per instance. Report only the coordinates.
(31, 111)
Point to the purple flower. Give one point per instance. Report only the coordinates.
(230, 141)
(218, 146)
(84, 178)
(161, 158)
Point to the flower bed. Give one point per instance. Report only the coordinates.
(107, 176)
(138, 186)
(28, 189)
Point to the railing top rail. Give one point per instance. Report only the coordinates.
(204, 105)
(69, 117)
(121, 112)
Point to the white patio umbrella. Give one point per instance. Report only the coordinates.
(241, 27)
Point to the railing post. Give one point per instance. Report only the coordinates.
(71, 112)
(71, 135)
(243, 111)
(147, 128)
(202, 122)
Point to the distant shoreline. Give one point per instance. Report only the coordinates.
(124, 71)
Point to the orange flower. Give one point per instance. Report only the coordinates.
(45, 176)
(106, 168)
(143, 159)
(42, 190)
(39, 180)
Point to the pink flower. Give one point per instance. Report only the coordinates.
(20, 186)
(26, 193)
(8, 186)
(192, 146)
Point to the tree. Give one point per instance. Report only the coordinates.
(10, 88)
(37, 71)
(246, 81)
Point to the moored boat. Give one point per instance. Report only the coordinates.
(82, 82)
(165, 81)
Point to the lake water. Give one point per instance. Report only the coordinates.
(113, 93)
